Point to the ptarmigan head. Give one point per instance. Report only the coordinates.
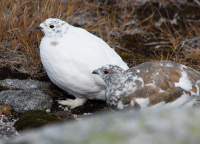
(111, 74)
(54, 28)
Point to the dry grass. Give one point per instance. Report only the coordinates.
(20, 41)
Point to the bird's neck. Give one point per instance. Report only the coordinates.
(57, 36)
(117, 82)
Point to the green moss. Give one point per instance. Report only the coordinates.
(125, 54)
(34, 118)
(49, 92)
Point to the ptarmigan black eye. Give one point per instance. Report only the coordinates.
(51, 26)
(106, 71)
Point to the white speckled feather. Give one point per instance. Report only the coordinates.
(152, 84)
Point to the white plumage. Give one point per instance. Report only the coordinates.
(151, 84)
(70, 54)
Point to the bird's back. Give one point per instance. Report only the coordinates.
(92, 48)
(166, 75)
(160, 83)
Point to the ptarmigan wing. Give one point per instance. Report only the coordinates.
(92, 49)
(88, 52)
(165, 82)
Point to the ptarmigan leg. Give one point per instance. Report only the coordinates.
(72, 103)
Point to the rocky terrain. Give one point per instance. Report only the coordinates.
(139, 31)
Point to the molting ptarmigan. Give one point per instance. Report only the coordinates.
(150, 84)
(69, 55)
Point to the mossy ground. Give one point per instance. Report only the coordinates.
(33, 119)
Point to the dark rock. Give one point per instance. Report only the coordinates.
(6, 72)
(62, 114)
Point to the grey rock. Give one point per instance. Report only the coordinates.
(24, 100)
(24, 84)
(21, 100)
(6, 129)
(150, 126)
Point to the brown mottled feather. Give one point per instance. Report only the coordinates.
(194, 89)
(165, 81)
(158, 81)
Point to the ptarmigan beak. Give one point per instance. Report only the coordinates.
(95, 72)
(39, 27)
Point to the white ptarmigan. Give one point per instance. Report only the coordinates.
(151, 84)
(70, 54)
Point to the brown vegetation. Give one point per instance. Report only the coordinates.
(139, 32)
